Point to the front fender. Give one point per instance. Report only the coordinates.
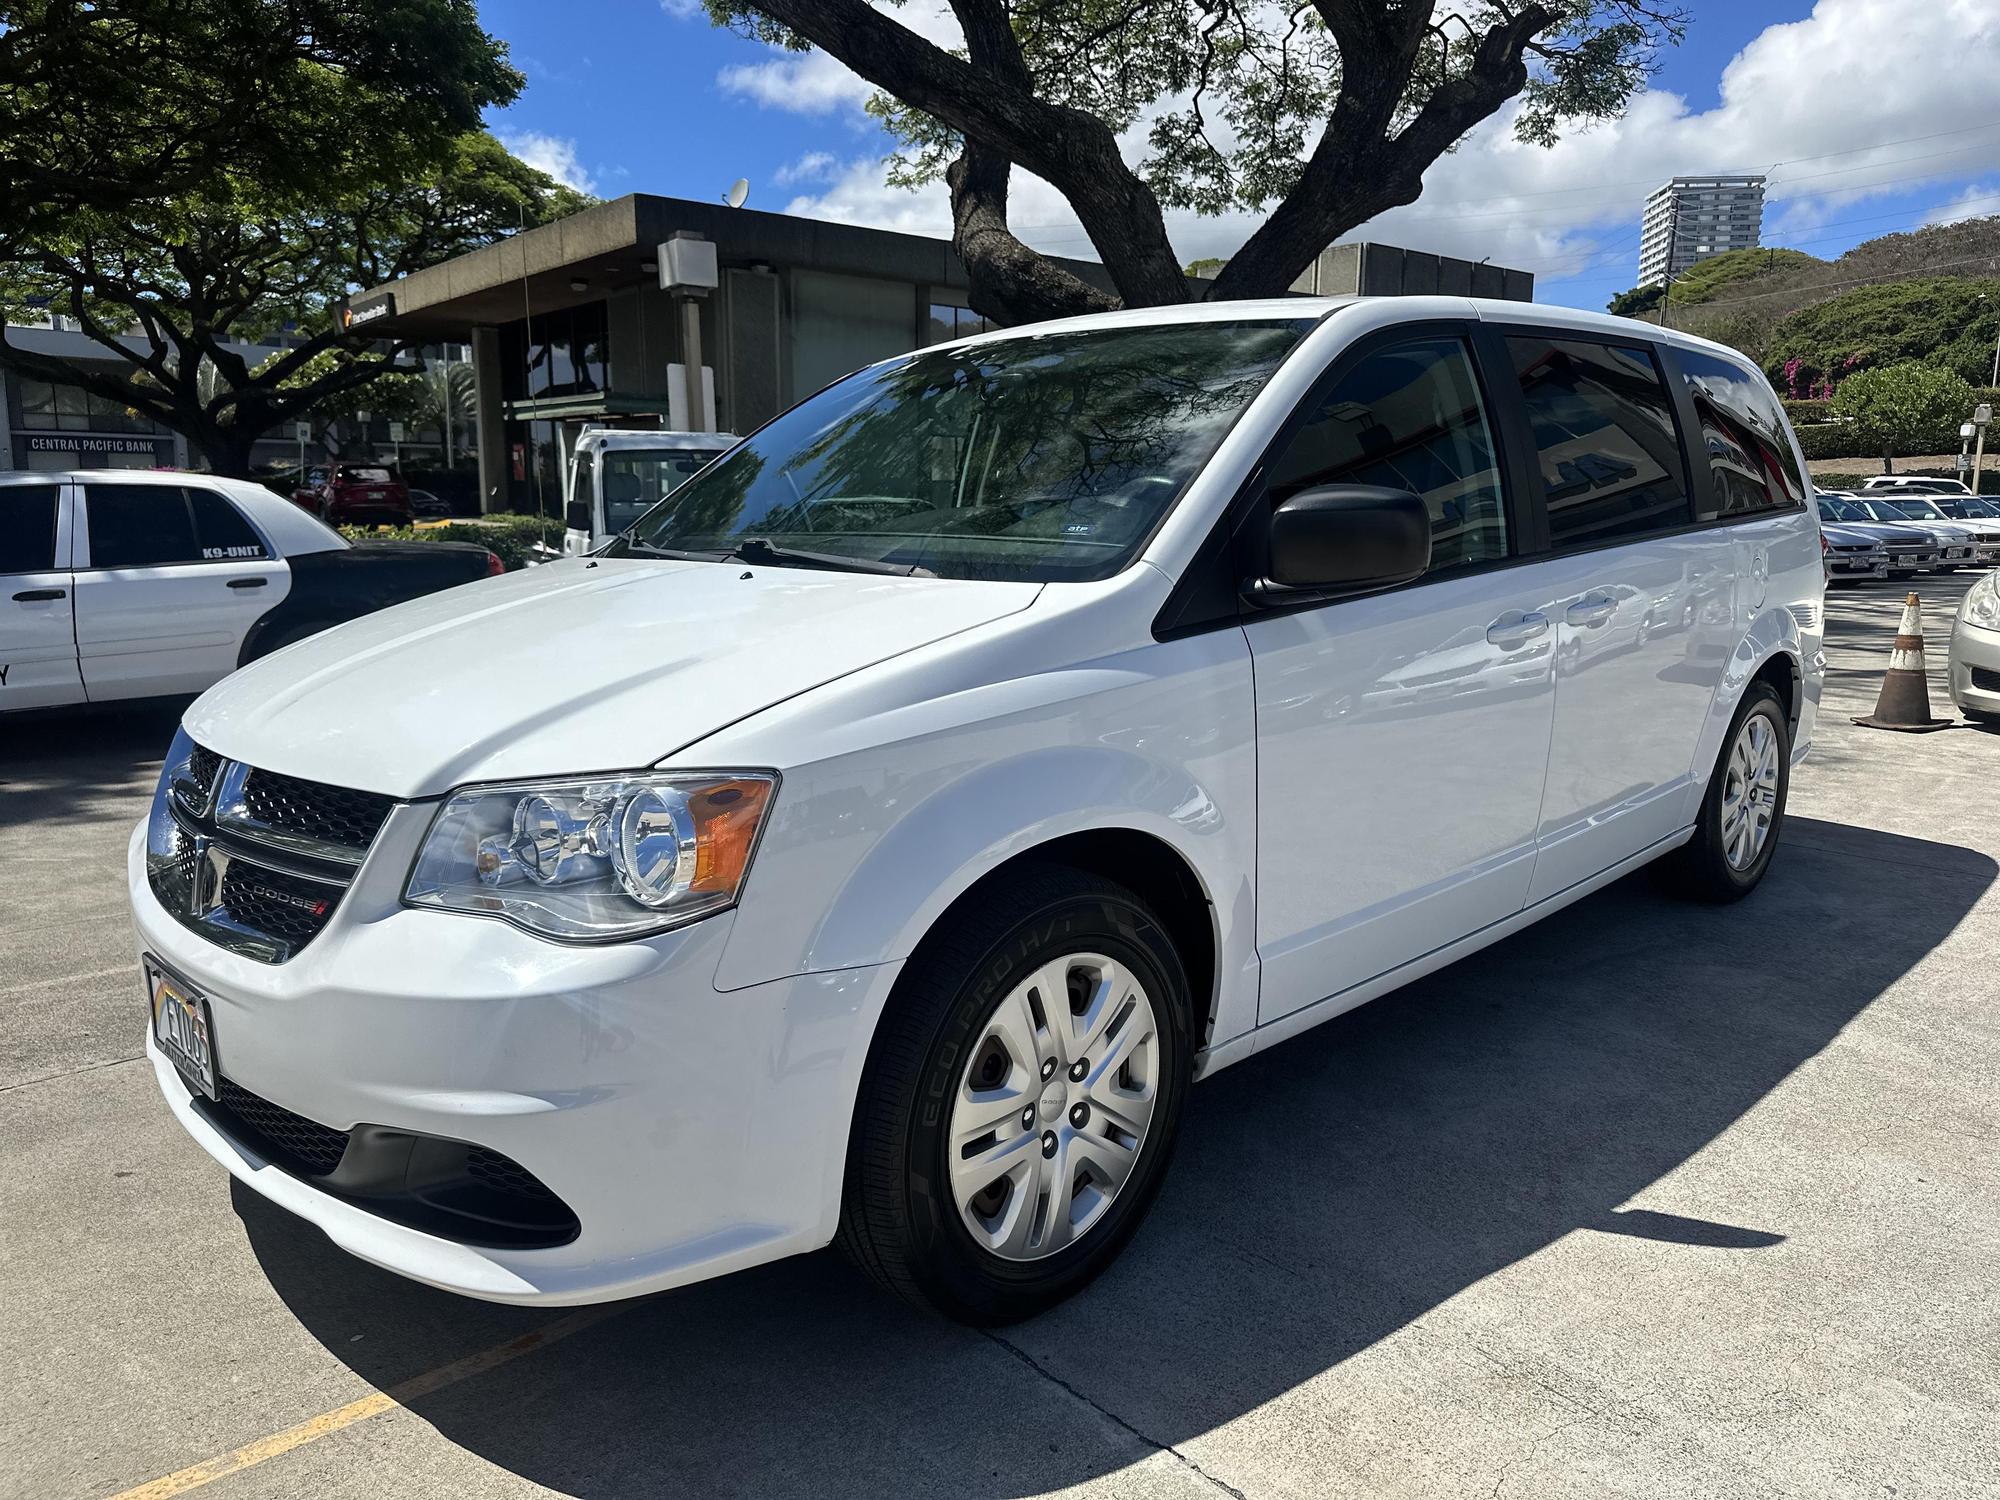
(867, 849)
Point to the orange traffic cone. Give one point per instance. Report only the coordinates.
(1905, 702)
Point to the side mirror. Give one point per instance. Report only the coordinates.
(1345, 539)
(576, 516)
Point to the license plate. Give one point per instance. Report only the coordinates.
(182, 1028)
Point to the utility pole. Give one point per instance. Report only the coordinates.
(1673, 242)
(1982, 414)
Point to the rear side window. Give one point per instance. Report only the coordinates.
(139, 526)
(221, 530)
(1409, 418)
(28, 528)
(1605, 440)
(1750, 458)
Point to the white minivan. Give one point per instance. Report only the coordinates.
(877, 839)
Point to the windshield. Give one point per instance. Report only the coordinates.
(637, 479)
(1880, 510)
(1916, 510)
(1840, 510)
(1043, 457)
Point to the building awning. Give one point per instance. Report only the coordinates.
(583, 404)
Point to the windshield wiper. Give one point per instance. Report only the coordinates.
(757, 549)
(677, 554)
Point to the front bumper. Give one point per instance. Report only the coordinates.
(1975, 667)
(692, 1132)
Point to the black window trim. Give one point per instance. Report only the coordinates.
(1529, 539)
(84, 488)
(1679, 402)
(1710, 500)
(1220, 562)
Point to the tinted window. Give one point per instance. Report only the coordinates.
(1750, 455)
(361, 474)
(1408, 418)
(139, 526)
(27, 528)
(221, 529)
(1604, 434)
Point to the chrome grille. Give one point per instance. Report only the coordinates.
(255, 861)
(310, 810)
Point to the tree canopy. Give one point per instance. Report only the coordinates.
(170, 291)
(1899, 407)
(1318, 116)
(119, 101)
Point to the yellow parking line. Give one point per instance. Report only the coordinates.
(373, 1405)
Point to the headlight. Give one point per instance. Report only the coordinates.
(1982, 603)
(596, 859)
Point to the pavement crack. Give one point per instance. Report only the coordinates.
(1109, 1415)
(99, 1067)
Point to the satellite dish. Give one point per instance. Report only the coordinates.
(738, 191)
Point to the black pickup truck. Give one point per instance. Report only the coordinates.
(119, 584)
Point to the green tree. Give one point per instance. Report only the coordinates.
(1319, 115)
(1208, 267)
(1902, 408)
(1637, 302)
(116, 102)
(1949, 322)
(169, 294)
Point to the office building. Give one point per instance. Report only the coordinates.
(1693, 218)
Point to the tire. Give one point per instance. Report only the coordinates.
(1704, 868)
(279, 639)
(1981, 716)
(952, 1055)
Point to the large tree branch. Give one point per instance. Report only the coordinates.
(1358, 169)
(1075, 151)
(1009, 282)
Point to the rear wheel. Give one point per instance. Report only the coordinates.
(1741, 815)
(1021, 1099)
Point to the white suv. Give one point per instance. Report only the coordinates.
(878, 839)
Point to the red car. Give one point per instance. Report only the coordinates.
(355, 495)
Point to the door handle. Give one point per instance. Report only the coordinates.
(248, 583)
(36, 596)
(1591, 609)
(1512, 630)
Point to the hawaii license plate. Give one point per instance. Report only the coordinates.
(182, 1027)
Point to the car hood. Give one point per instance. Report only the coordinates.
(1843, 531)
(577, 666)
(1889, 531)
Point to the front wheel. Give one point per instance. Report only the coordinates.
(1737, 830)
(1021, 1099)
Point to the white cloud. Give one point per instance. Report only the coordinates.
(683, 10)
(1857, 101)
(1979, 200)
(553, 154)
(814, 166)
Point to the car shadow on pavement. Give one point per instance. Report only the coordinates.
(81, 763)
(1326, 1194)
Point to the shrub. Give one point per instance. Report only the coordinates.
(1902, 408)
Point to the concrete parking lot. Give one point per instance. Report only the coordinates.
(1652, 1199)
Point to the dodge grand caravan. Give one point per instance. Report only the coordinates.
(878, 839)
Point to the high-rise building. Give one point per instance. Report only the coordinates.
(1693, 218)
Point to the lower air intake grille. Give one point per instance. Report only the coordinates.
(452, 1189)
(302, 1146)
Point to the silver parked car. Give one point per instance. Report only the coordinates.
(1975, 652)
(1907, 549)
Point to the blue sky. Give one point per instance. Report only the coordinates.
(1870, 116)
